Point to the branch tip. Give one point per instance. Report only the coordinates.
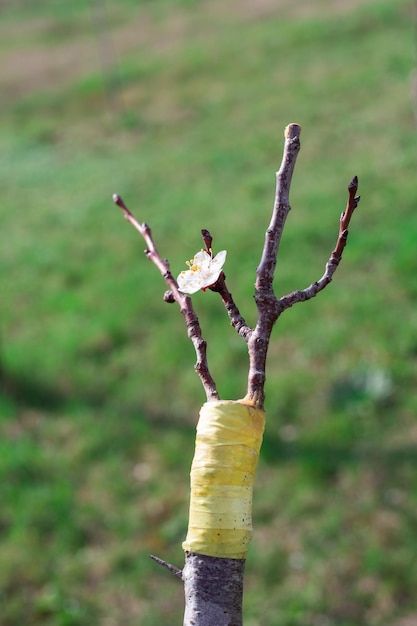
(353, 184)
(207, 238)
(292, 131)
(128, 215)
(117, 200)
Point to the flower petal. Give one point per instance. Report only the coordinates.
(202, 259)
(204, 272)
(219, 259)
(189, 282)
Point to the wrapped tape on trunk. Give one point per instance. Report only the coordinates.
(229, 437)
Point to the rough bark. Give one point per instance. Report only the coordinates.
(213, 590)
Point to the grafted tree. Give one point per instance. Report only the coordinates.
(229, 432)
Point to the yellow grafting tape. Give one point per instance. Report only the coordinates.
(229, 437)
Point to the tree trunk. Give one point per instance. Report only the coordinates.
(229, 437)
(213, 590)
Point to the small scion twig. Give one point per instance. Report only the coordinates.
(236, 320)
(175, 570)
(184, 301)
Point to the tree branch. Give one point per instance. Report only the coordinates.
(232, 310)
(266, 268)
(269, 308)
(264, 293)
(236, 320)
(336, 256)
(184, 302)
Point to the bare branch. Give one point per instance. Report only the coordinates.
(336, 256)
(232, 310)
(266, 269)
(264, 293)
(184, 302)
(236, 320)
(269, 308)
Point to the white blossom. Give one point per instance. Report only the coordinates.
(204, 271)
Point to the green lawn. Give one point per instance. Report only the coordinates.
(180, 107)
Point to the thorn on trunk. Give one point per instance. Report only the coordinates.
(175, 570)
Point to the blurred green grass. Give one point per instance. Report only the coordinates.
(180, 107)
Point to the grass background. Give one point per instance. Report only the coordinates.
(180, 107)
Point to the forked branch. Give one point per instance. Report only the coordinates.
(264, 292)
(269, 307)
(184, 301)
(336, 256)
